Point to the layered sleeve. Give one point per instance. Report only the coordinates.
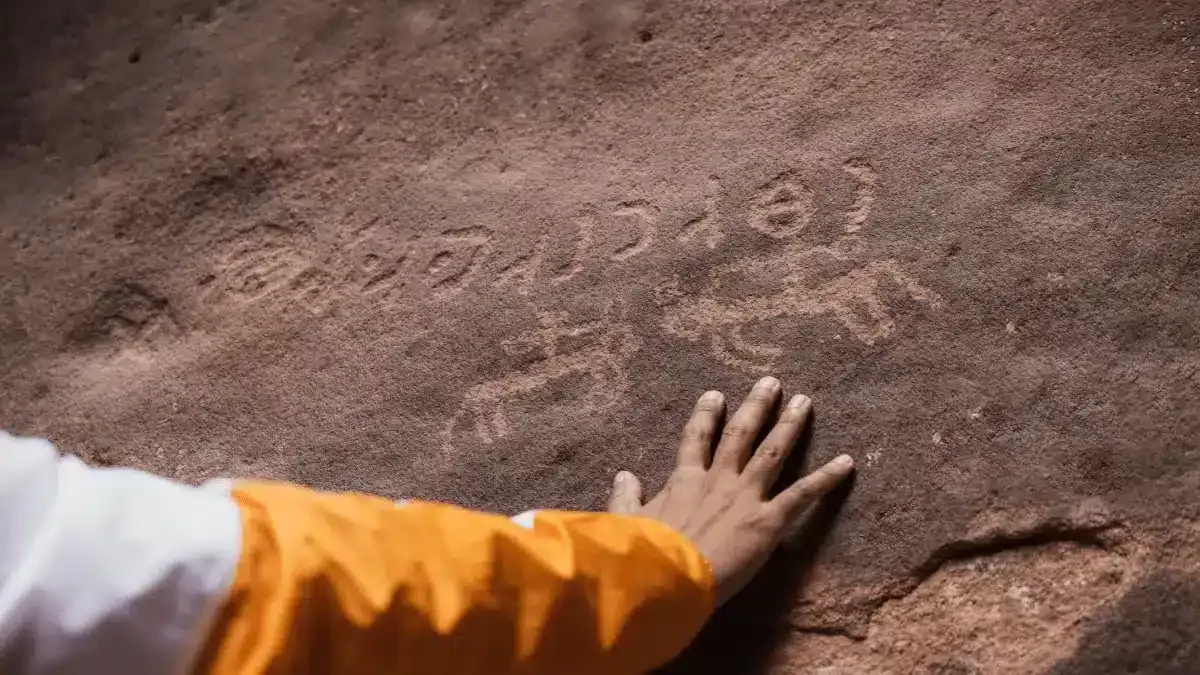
(346, 583)
(107, 569)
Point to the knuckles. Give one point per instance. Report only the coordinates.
(738, 432)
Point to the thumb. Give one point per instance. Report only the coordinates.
(626, 495)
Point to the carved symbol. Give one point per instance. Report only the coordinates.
(864, 194)
(373, 265)
(379, 275)
(853, 299)
(262, 262)
(706, 225)
(783, 207)
(455, 257)
(643, 213)
(523, 270)
(579, 258)
(272, 261)
(603, 357)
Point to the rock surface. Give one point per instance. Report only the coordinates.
(490, 251)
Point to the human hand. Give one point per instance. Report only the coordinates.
(721, 501)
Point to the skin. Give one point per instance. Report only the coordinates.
(721, 500)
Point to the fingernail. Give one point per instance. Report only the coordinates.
(843, 462)
(622, 478)
(768, 383)
(712, 397)
(798, 401)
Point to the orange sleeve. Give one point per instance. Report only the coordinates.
(346, 583)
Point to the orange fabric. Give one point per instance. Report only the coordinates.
(346, 583)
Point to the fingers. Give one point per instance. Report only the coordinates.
(799, 495)
(626, 495)
(764, 467)
(695, 447)
(738, 440)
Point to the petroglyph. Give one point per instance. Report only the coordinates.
(262, 262)
(722, 313)
(523, 271)
(640, 213)
(783, 207)
(313, 288)
(386, 265)
(706, 226)
(454, 258)
(864, 194)
(377, 267)
(644, 215)
(378, 275)
(597, 350)
(854, 299)
(583, 243)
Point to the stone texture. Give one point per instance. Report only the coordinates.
(489, 252)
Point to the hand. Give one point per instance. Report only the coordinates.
(723, 506)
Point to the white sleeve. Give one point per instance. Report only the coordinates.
(106, 570)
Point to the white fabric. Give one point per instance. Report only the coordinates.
(525, 519)
(106, 570)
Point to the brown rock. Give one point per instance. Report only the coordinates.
(489, 252)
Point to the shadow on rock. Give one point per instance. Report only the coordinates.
(744, 634)
(1155, 628)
